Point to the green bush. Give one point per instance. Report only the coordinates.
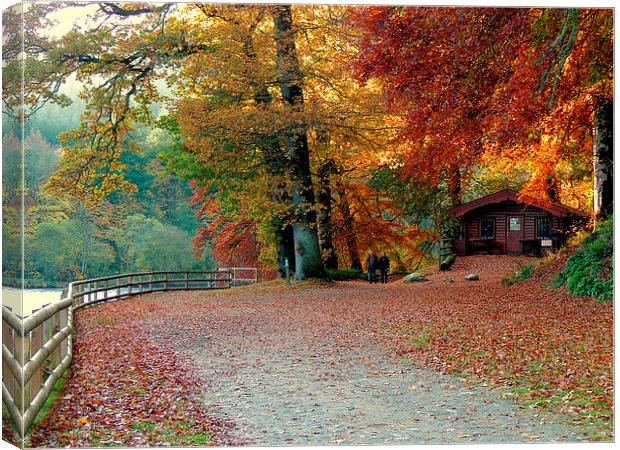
(346, 274)
(524, 272)
(589, 270)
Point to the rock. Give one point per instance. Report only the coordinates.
(414, 277)
(448, 280)
(472, 277)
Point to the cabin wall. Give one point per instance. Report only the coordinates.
(500, 213)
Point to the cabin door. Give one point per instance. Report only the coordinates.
(514, 234)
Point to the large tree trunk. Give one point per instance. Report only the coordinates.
(308, 261)
(349, 233)
(603, 158)
(276, 163)
(285, 247)
(324, 219)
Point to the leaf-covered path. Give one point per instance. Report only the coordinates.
(312, 364)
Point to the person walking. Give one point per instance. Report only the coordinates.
(384, 267)
(371, 267)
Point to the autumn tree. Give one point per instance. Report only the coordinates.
(514, 83)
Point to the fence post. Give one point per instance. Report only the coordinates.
(55, 356)
(20, 353)
(130, 279)
(186, 276)
(36, 342)
(63, 321)
(8, 339)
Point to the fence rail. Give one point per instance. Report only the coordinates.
(36, 350)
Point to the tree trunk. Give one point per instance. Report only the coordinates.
(324, 219)
(454, 185)
(603, 159)
(308, 261)
(349, 234)
(276, 164)
(285, 248)
(553, 189)
(451, 228)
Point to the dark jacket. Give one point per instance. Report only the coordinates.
(371, 263)
(384, 264)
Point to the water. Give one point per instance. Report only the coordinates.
(33, 299)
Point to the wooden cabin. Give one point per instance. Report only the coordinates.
(506, 223)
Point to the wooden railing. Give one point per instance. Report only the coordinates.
(36, 350)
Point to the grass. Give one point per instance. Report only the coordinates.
(179, 435)
(196, 439)
(524, 272)
(51, 399)
(144, 426)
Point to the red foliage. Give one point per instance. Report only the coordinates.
(232, 240)
(475, 80)
(440, 67)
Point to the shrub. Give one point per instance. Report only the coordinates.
(346, 274)
(589, 270)
(524, 272)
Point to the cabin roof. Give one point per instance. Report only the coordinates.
(556, 209)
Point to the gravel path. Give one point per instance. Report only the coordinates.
(305, 369)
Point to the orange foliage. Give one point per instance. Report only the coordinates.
(377, 225)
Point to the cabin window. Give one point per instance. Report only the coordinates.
(543, 228)
(487, 229)
(514, 224)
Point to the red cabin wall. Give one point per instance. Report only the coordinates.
(500, 212)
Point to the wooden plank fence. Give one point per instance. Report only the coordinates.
(37, 350)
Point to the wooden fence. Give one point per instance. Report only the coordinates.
(37, 350)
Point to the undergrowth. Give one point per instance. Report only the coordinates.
(346, 274)
(589, 270)
(524, 272)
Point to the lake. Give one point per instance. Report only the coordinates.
(34, 299)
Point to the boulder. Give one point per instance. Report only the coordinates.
(472, 277)
(414, 277)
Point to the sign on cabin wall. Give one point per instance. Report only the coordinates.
(546, 243)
